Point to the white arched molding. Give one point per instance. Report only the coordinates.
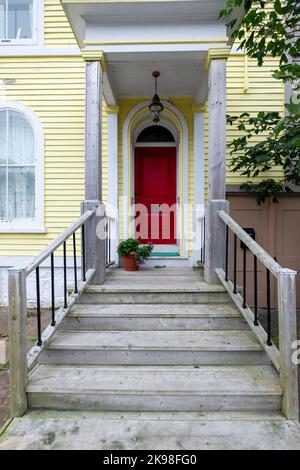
(37, 224)
(173, 119)
(149, 122)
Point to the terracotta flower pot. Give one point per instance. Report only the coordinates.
(129, 262)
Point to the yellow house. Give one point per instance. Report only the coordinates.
(45, 47)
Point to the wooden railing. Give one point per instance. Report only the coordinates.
(92, 268)
(286, 292)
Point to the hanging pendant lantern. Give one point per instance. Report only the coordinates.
(156, 107)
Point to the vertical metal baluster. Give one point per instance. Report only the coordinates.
(244, 276)
(235, 264)
(65, 276)
(38, 307)
(53, 322)
(83, 253)
(255, 292)
(226, 254)
(269, 341)
(75, 264)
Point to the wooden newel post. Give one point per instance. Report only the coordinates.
(17, 341)
(95, 240)
(287, 342)
(215, 240)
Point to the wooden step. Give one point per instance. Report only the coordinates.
(154, 348)
(159, 388)
(120, 317)
(75, 430)
(155, 293)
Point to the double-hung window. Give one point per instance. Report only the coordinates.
(21, 172)
(18, 21)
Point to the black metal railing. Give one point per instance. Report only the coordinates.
(49, 251)
(271, 267)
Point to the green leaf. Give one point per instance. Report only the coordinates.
(293, 108)
(279, 127)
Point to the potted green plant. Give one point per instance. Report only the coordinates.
(133, 253)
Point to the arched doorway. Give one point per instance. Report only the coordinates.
(155, 186)
(137, 121)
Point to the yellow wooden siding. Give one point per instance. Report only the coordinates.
(54, 88)
(264, 93)
(58, 31)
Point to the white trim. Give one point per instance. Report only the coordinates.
(155, 144)
(37, 29)
(183, 177)
(36, 224)
(112, 183)
(199, 183)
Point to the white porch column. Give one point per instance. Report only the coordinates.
(199, 181)
(112, 154)
(217, 59)
(215, 230)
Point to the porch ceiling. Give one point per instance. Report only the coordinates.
(140, 36)
(182, 74)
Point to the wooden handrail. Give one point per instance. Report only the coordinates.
(44, 254)
(286, 293)
(253, 246)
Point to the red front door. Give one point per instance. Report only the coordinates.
(155, 194)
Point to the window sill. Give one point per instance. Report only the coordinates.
(22, 229)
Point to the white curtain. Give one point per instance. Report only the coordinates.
(17, 173)
(20, 19)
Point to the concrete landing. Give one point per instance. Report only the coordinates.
(47, 430)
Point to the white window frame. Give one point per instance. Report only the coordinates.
(35, 225)
(37, 29)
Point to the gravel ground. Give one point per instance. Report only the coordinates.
(4, 372)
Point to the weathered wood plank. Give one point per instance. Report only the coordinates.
(17, 340)
(287, 338)
(93, 149)
(95, 240)
(215, 240)
(217, 129)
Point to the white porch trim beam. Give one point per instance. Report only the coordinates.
(112, 155)
(199, 181)
(108, 92)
